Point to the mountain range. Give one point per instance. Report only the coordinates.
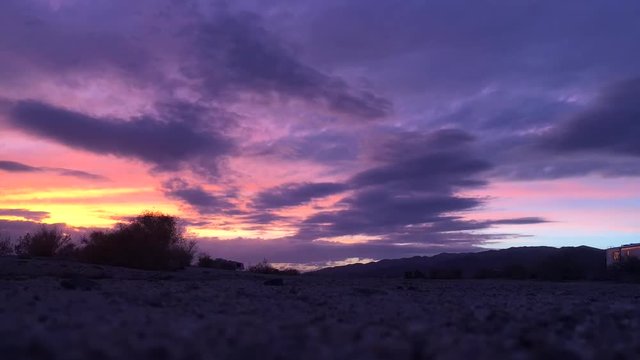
(550, 263)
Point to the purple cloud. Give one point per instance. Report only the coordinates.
(295, 194)
(168, 144)
(16, 167)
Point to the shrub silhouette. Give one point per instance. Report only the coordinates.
(290, 272)
(206, 261)
(561, 267)
(151, 241)
(46, 242)
(264, 267)
(626, 270)
(5, 246)
(445, 273)
(415, 274)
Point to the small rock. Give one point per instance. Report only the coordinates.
(274, 282)
(78, 284)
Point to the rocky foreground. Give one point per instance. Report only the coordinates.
(59, 310)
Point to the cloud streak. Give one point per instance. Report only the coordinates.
(197, 197)
(295, 194)
(168, 144)
(29, 215)
(17, 167)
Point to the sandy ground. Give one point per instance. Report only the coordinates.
(57, 310)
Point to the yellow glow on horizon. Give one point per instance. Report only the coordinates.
(89, 207)
(53, 194)
(99, 215)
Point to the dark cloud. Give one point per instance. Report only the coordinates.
(599, 139)
(167, 144)
(16, 167)
(393, 144)
(78, 174)
(293, 194)
(218, 54)
(430, 172)
(325, 147)
(458, 48)
(197, 197)
(262, 217)
(40, 39)
(25, 214)
(253, 60)
(386, 213)
(405, 199)
(519, 221)
(549, 166)
(409, 198)
(12, 166)
(612, 125)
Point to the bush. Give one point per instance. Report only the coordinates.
(264, 267)
(5, 246)
(150, 241)
(445, 274)
(46, 242)
(626, 270)
(290, 272)
(206, 261)
(415, 274)
(561, 267)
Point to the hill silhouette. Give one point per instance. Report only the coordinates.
(545, 263)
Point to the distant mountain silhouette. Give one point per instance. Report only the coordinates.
(546, 263)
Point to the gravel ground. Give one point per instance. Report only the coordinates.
(57, 310)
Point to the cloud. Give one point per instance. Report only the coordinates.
(456, 48)
(407, 198)
(256, 61)
(294, 194)
(16, 167)
(167, 144)
(25, 214)
(170, 47)
(411, 197)
(610, 126)
(197, 197)
(519, 221)
(324, 147)
(599, 138)
(390, 214)
(397, 144)
(12, 166)
(261, 217)
(432, 172)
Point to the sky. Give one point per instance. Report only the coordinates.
(325, 132)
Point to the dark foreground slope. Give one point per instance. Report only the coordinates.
(567, 263)
(68, 311)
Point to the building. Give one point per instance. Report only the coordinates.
(617, 254)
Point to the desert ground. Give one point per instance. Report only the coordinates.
(60, 310)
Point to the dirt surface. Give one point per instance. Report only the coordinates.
(59, 310)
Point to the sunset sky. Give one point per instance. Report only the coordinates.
(325, 132)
